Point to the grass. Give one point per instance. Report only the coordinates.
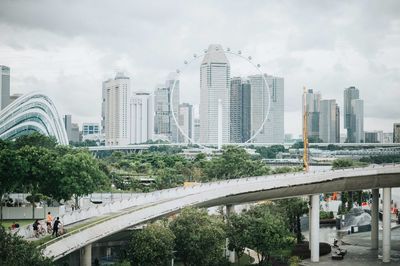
(7, 223)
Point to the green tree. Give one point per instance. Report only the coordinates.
(37, 140)
(237, 234)
(37, 169)
(153, 245)
(77, 174)
(199, 238)
(267, 232)
(17, 252)
(10, 172)
(293, 209)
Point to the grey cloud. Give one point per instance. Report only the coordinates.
(150, 39)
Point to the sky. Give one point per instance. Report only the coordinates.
(67, 48)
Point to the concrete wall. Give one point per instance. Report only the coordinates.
(17, 213)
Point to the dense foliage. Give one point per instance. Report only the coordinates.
(169, 168)
(153, 245)
(35, 164)
(262, 228)
(200, 238)
(18, 252)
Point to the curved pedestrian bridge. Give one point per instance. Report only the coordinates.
(236, 191)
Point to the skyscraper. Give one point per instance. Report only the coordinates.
(357, 120)
(313, 109)
(246, 111)
(141, 115)
(273, 129)
(214, 86)
(186, 121)
(396, 133)
(240, 110)
(164, 102)
(337, 124)
(4, 86)
(328, 121)
(236, 110)
(351, 93)
(116, 93)
(68, 126)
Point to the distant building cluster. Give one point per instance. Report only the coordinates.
(323, 118)
(246, 109)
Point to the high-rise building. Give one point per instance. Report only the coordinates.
(214, 86)
(236, 110)
(72, 129)
(357, 120)
(337, 124)
(396, 133)
(141, 115)
(313, 109)
(246, 111)
(240, 110)
(373, 136)
(4, 86)
(164, 123)
(90, 129)
(115, 112)
(350, 94)
(68, 126)
(186, 121)
(273, 129)
(328, 121)
(75, 133)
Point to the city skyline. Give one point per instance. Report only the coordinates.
(361, 50)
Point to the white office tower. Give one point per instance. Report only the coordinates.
(116, 105)
(273, 129)
(214, 86)
(4, 86)
(357, 107)
(312, 106)
(141, 118)
(186, 122)
(328, 121)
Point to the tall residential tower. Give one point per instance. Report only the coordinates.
(115, 108)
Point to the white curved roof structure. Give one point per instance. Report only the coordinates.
(150, 206)
(32, 112)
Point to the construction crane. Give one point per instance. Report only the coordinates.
(305, 131)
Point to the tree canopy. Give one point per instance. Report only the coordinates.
(18, 252)
(153, 245)
(199, 238)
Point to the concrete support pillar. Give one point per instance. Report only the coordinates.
(231, 254)
(386, 225)
(375, 219)
(314, 228)
(86, 255)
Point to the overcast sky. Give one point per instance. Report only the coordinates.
(67, 48)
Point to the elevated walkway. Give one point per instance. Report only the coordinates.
(166, 202)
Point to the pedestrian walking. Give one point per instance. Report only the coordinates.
(56, 226)
(49, 220)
